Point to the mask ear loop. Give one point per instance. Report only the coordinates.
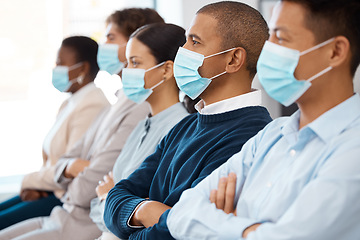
(78, 79)
(217, 75)
(158, 65)
(317, 46)
(319, 74)
(314, 48)
(75, 66)
(153, 87)
(215, 54)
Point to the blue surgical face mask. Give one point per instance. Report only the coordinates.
(60, 77)
(186, 73)
(133, 80)
(108, 59)
(276, 66)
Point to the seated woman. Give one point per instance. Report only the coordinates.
(149, 77)
(75, 72)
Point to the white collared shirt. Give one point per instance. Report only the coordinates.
(252, 98)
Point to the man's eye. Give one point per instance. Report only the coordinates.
(195, 42)
(134, 64)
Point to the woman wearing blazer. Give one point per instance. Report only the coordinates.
(75, 71)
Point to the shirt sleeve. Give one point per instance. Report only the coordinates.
(327, 208)
(123, 199)
(82, 188)
(41, 180)
(195, 217)
(158, 231)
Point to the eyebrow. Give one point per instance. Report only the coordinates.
(132, 57)
(193, 35)
(276, 29)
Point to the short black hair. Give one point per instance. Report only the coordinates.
(130, 19)
(163, 39)
(331, 18)
(239, 25)
(85, 51)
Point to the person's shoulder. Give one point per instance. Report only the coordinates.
(188, 120)
(95, 96)
(350, 135)
(184, 124)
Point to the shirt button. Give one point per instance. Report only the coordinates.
(269, 184)
(292, 152)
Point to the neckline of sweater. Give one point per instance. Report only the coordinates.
(229, 116)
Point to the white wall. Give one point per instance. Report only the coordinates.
(181, 12)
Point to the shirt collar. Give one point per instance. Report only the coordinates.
(337, 119)
(329, 124)
(252, 98)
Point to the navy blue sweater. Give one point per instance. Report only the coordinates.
(188, 153)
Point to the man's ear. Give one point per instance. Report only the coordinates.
(340, 51)
(237, 60)
(168, 70)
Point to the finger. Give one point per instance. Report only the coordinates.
(230, 193)
(106, 178)
(220, 196)
(213, 196)
(111, 174)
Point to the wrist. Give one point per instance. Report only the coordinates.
(136, 218)
(67, 173)
(250, 229)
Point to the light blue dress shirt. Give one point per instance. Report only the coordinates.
(300, 184)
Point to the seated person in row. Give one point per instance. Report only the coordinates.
(79, 170)
(149, 76)
(120, 25)
(231, 38)
(75, 73)
(299, 178)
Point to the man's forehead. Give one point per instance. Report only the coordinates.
(287, 17)
(202, 27)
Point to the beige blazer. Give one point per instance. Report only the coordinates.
(101, 145)
(101, 149)
(75, 116)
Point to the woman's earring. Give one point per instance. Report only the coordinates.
(80, 79)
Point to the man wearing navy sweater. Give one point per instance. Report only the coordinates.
(217, 63)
